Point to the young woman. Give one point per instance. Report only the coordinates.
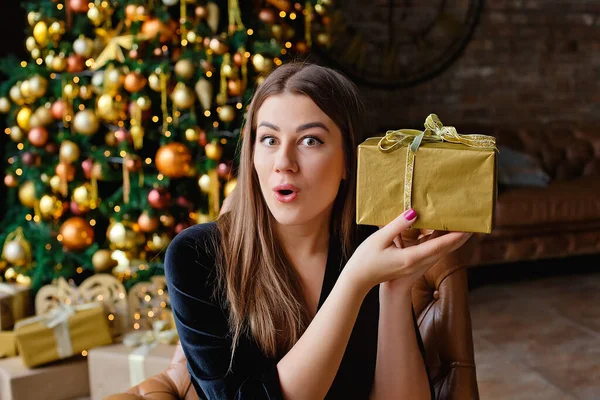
(285, 296)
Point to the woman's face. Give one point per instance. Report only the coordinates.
(299, 158)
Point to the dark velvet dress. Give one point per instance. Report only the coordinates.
(203, 328)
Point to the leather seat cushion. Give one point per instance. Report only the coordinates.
(562, 202)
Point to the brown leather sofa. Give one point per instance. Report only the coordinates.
(562, 219)
(441, 303)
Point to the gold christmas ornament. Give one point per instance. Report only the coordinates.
(83, 46)
(36, 53)
(147, 223)
(204, 91)
(158, 242)
(31, 44)
(55, 184)
(229, 186)
(27, 194)
(86, 92)
(23, 117)
(86, 122)
(96, 16)
(173, 160)
(154, 82)
(113, 80)
(59, 63)
(184, 68)
(56, 30)
(102, 261)
(77, 234)
(69, 151)
(38, 85)
(15, 95)
(40, 33)
(192, 135)
(204, 183)
(25, 89)
(213, 150)
(43, 116)
(218, 46)
(234, 87)
(227, 113)
(16, 250)
(50, 207)
(33, 18)
(16, 134)
(144, 103)
(122, 236)
(213, 16)
(182, 96)
(82, 196)
(4, 105)
(261, 63)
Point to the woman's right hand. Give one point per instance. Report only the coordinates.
(379, 259)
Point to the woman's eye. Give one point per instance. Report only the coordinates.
(269, 140)
(311, 141)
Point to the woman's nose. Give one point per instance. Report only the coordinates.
(286, 160)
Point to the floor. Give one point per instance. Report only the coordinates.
(537, 333)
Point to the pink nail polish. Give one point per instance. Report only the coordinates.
(410, 214)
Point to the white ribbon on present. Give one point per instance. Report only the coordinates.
(57, 319)
(5, 288)
(144, 342)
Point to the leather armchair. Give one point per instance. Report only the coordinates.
(441, 304)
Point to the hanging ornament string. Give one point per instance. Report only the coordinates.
(126, 181)
(137, 130)
(244, 69)
(307, 23)
(222, 97)
(235, 17)
(163, 99)
(182, 20)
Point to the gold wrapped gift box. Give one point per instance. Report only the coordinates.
(61, 333)
(8, 344)
(15, 304)
(449, 179)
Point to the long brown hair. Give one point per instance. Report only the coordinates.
(260, 287)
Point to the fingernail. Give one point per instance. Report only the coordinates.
(410, 214)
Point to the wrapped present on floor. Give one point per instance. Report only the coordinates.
(8, 344)
(102, 288)
(15, 304)
(114, 369)
(448, 178)
(149, 302)
(66, 379)
(62, 332)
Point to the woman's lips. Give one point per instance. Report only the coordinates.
(285, 193)
(285, 198)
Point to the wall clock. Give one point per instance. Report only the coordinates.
(393, 43)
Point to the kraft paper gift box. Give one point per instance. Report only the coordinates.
(8, 344)
(61, 333)
(115, 369)
(15, 304)
(448, 178)
(67, 379)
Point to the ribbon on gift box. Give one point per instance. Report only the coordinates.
(435, 132)
(57, 319)
(144, 342)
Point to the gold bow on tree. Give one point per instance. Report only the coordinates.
(435, 132)
(114, 45)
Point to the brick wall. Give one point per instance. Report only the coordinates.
(530, 62)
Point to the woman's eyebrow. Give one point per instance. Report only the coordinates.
(301, 128)
(311, 125)
(269, 125)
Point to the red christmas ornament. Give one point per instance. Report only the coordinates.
(224, 171)
(86, 166)
(38, 136)
(29, 158)
(159, 199)
(57, 109)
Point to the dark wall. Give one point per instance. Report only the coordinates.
(12, 39)
(530, 62)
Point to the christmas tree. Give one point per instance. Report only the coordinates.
(124, 125)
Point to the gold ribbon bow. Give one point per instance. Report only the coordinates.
(435, 132)
(144, 342)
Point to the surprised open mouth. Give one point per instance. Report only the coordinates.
(286, 195)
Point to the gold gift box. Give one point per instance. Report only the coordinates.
(15, 304)
(8, 344)
(454, 185)
(84, 329)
